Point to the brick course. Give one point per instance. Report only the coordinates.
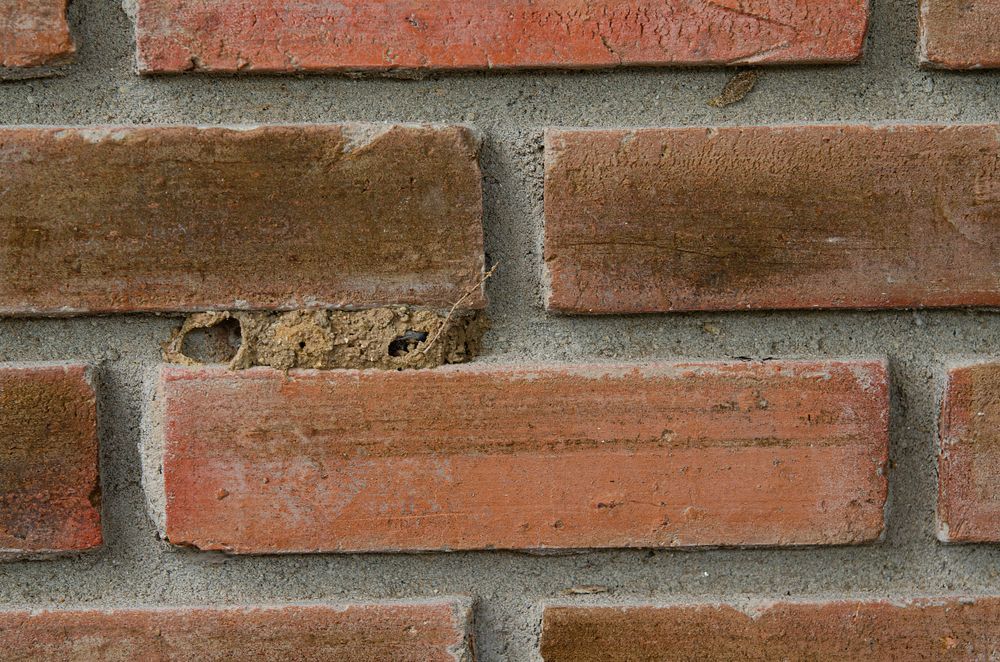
(969, 459)
(49, 486)
(278, 36)
(944, 629)
(960, 34)
(433, 631)
(772, 217)
(658, 455)
(133, 219)
(33, 33)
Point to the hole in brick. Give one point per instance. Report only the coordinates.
(214, 344)
(404, 344)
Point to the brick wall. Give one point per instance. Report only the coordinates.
(655, 362)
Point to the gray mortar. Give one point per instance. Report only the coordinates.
(151, 443)
(511, 110)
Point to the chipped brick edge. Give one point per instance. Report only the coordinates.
(464, 615)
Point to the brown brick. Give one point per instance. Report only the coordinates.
(275, 217)
(33, 33)
(969, 460)
(960, 34)
(49, 489)
(945, 629)
(401, 631)
(772, 217)
(469, 457)
(378, 35)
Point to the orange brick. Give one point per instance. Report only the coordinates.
(772, 218)
(388, 35)
(945, 629)
(969, 460)
(33, 33)
(49, 488)
(402, 631)
(469, 457)
(273, 217)
(960, 34)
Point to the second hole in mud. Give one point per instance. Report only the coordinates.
(406, 343)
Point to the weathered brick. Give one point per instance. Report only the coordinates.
(33, 33)
(49, 488)
(772, 217)
(275, 217)
(969, 459)
(960, 34)
(404, 631)
(379, 35)
(469, 457)
(945, 629)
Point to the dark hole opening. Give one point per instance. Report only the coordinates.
(406, 343)
(216, 344)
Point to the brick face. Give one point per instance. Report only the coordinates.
(969, 459)
(255, 403)
(408, 632)
(378, 35)
(947, 629)
(183, 218)
(772, 217)
(49, 488)
(659, 455)
(33, 33)
(960, 34)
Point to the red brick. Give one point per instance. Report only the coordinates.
(387, 35)
(969, 459)
(960, 34)
(33, 33)
(403, 631)
(469, 457)
(275, 217)
(945, 629)
(772, 217)
(49, 488)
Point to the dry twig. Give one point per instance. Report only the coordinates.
(454, 307)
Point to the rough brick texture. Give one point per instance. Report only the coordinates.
(33, 33)
(385, 35)
(948, 629)
(409, 632)
(772, 217)
(185, 218)
(960, 34)
(49, 489)
(969, 460)
(777, 453)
